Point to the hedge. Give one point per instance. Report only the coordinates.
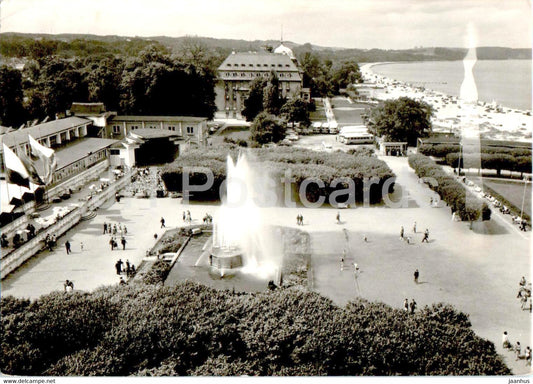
(449, 189)
(497, 161)
(302, 164)
(441, 150)
(191, 329)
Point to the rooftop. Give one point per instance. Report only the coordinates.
(82, 109)
(147, 133)
(80, 149)
(20, 136)
(157, 118)
(258, 61)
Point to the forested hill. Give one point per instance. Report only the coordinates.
(21, 45)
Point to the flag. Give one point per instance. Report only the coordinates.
(48, 157)
(30, 167)
(16, 172)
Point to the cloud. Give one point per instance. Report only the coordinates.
(343, 23)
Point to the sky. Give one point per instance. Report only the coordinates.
(386, 24)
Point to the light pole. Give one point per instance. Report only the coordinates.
(523, 199)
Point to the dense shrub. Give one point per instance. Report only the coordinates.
(441, 150)
(302, 164)
(461, 201)
(158, 273)
(194, 330)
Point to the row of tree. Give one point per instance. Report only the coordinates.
(194, 330)
(152, 83)
(496, 161)
(467, 206)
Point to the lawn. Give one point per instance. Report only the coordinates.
(513, 192)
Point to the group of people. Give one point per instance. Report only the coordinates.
(407, 239)
(299, 219)
(68, 286)
(524, 294)
(50, 242)
(114, 229)
(186, 216)
(129, 270)
(113, 243)
(517, 349)
(409, 307)
(208, 219)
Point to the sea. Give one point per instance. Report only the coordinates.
(507, 82)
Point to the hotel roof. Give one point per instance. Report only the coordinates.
(255, 61)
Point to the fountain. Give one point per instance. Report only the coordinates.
(242, 242)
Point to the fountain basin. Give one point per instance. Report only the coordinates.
(225, 258)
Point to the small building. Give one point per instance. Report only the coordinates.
(392, 148)
(96, 112)
(192, 130)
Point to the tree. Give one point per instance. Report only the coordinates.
(403, 119)
(296, 110)
(11, 110)
(103, 80)
(267, 128)
(271, 96)
(253, 104)
(345, 74)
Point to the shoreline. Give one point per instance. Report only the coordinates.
(495, 121)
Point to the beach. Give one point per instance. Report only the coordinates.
(495, 122)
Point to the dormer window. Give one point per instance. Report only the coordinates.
(229, 65)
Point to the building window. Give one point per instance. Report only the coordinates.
(115, 152)
(116, 129)
(229, 65)
(287, 65)
(190, 130)
(250, 65)
(265, 65)
(243, 65)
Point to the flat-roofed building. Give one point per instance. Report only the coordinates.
(193, 130)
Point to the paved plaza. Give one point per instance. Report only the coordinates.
(477, 270)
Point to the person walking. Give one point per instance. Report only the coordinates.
(412, 305)
(414, 227)
(81, 246)
(184, 217)
(67, 247)
(401, 232)
(338, 218)
(505, 341)
(416, 274)
(105, 228)
(123, 242)
(426, 236)
(162, 222)
(406, 305)
(343, 256)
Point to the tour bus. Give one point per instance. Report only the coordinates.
(316, 126)
(333, 128)
(324, 128)
(356, 138)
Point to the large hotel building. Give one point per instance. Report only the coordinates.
(239, 69)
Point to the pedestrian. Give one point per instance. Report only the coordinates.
(412, 305)
(68, 286)
(189, 218)
(119, 268)
(125, 230)
(111, 243)
(406, 305)
(128, 267)
(155, 236)
(342, 259)
(338, 218)
(414, 227)
(416, 274)
(114, 229)
(426, 236)
(162, 222)
(401, 232)
(505, 341)
(81, 246)
(301, 219)
(123, 242)
(528, 355)
(297, 219)
(184, 216)
(431, 201)
(67, 247)
(522, 282)
(518, 349)
(365, 239)
(122, 282)
(105, 228)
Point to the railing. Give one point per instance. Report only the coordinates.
(18, 256)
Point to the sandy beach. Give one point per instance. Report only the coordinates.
(495, 122)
